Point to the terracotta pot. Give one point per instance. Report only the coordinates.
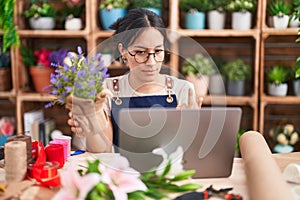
(41, 78)
(5, 79)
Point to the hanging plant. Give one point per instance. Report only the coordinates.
(10, 35)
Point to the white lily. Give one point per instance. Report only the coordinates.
(176, 161)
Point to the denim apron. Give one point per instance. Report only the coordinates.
(167, 101)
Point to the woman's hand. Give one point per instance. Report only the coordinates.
(192, 102)
(99, 104)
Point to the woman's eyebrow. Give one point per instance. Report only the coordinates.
(143, 47)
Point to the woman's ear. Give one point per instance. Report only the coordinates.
(121, 49)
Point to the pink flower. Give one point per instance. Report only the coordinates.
(6, 126)
(121, 179)
(74, 186)
(42, 57)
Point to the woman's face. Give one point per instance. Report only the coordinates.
(144, 66)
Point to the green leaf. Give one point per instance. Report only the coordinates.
(93, 167)
(190, 187)
(183, 175)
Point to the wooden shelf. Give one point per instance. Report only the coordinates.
(280, 100)
(53, 33)
(229, 100)
(7, 94)
(35, 97)
(272, 31)
(220, 33)
(93, 34)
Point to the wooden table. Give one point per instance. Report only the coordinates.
(237, 180)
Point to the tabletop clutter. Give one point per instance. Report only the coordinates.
(31, 160)
(26, 159)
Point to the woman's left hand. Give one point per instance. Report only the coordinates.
(192, 102)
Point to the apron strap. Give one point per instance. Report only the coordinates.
(169, 82)
(116, 89)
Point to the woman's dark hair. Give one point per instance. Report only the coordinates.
(134, 22)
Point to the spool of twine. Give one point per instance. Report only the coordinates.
(27, 140)
(15, 161)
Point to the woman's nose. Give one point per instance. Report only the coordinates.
(151, 59)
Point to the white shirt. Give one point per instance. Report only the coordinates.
(180, 89)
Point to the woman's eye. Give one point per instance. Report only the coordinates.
(140, 52)
(159, 50)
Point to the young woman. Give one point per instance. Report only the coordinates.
(142, 43)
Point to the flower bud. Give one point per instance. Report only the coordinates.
(294, 138)
(282, 139)
(289, 128)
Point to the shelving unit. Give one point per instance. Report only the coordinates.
(250, 45)
(277, 46)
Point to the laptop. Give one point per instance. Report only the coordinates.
(207, 137)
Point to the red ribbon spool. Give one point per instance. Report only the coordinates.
(55, 152)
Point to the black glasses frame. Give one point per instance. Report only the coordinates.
(148, 56)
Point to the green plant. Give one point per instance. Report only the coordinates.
(278, 8)
(110, 4)
(27, 54)
(194, 5)
(295, 9)
(237, 144)
(284, 134)
(40, 8)
(241, 5)
(296, 69)
(236, 70)
(198, 65)
(72, 9)
(218, 5)
(10, 36)
(146, 4)
(278, 74)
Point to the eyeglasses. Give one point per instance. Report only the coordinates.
(142, 56)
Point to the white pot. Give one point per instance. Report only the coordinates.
(107, 59)
(73, 24)
(241, 20)
(281, 22)
(42, 23)
(294, 23)
(216, 20)
(277, 89)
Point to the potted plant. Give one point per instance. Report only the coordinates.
(5, 72)
(72, 12)
(11, 37)
(241, 18)
(236, 73)
(194, 13)
(279, 11)
(296, 77)
(216, 14)
(277, 78)
(294, 21)
(41, 15)
(153, 5)
(216, 81)
(285, 136)
(111, 10)
(38, 62)
(197, 70)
